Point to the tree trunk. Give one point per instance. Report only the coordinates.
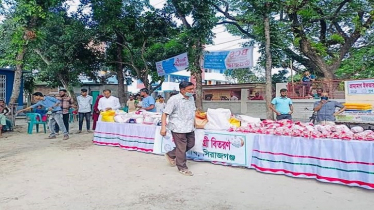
(119, 71)
(199, 90)
(198, 78)
(268, 88)
(18, 76)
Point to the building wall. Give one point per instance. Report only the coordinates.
(9, 86)
(100, 88)
(46, 90)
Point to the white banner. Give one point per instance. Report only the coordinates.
(360, 87)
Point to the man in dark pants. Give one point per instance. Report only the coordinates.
(66, 104)
(181, 110)
(84, 109)
(282, 106)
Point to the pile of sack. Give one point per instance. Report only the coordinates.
(138, 117)
(306, 130)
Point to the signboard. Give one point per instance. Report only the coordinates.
(364, 118)
(171, 65)
(231, 59)
(360, 87)
(223, 147)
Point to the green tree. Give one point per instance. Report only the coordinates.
(242, 75)
(153, 38)
(254, 20)
(114, 20)
(199, 33)
(27, 16)
(67, 49)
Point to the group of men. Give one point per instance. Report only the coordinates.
(58, 110)
(324, 109)
(180, 111)
(146, 102)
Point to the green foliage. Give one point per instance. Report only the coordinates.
(280, 77)
(251, 75)
(66, 50)
(358, 65)
(29, 82)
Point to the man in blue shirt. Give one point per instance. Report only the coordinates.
(53, 106)
(282, 106)
(326, 110)
(148, 102)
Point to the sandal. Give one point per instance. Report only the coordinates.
(186, 172)
(170, 160)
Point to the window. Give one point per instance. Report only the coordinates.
(2, 87)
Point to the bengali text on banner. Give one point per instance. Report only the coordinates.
(360, 87)
(230, 59)
(171, 65)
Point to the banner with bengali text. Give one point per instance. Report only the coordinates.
(230, 59)
(171, 65)
(360, 87)
(224, 147)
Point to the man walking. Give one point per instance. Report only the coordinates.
(53, 105)
(326, 110)
(282, 106)
(84, 109)
(66, 104)
(181, 111)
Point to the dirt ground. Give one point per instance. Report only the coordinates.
(36, 173)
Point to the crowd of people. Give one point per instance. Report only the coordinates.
(57, 110)
(180, 111)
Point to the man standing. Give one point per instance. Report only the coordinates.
(326, 110)
(53, 105)
(257, 97)
(108, 102)
(233, 97)
(66, 104)
(181, 111)
(160, 104)
(282, 106)
(84, 109)
(131, 104)
(148, 102)
(318, 94)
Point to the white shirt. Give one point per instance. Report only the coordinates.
(160, 107)
(234, 98)
(84, 103)
(111, 102)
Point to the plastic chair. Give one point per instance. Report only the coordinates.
(35, 119)
(71, 115)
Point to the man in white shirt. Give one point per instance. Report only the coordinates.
(160, 104)
(84, 109)
(108, 102)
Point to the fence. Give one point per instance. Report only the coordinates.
(304, 90)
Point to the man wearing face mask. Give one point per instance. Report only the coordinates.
(148, 102)
(325, 110)
(282, 106)
(181, 111)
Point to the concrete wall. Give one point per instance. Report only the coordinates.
(112, 87)
(303, 108)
